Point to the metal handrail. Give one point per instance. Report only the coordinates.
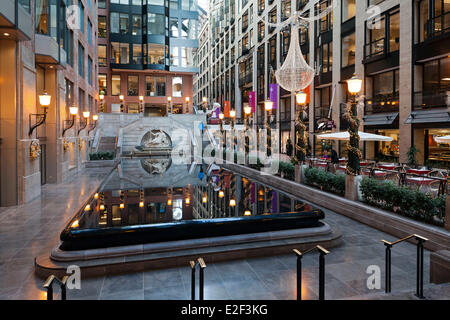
(419, 275)
(49, 286)
(299, 254)
(194, 264)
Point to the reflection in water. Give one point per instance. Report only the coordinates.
(126, 199)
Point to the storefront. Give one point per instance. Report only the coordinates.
(437, 154)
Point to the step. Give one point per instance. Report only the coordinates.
(430, 291)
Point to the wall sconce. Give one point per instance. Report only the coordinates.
(93, 125)
(83, 121)
(69, 123)
(44, 101)
(221, 194)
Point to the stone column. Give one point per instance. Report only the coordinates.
(405, 78)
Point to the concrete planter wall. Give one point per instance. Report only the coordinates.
(100, 163)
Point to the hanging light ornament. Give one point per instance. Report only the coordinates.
(295, 74)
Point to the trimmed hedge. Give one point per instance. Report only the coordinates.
(326, 181)
(405, 201)
(107, 155)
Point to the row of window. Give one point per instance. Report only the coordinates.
(81, 98)
(187, 5)
(155, 86)
(148, 54)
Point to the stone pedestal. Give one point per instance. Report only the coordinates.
(447, 213)
(352, 187)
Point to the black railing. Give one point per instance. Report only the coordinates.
(322, 253)
(419, 274)
(49, 286)
(438, 25)
(201, 264)
(374, 48)
(434, 99)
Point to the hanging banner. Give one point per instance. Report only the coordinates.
(227, 181)
(226, 109)
(273, 94)
(307, 90)
(252, 100)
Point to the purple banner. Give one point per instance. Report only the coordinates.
(273, 94)
(252, 100)
(274, 202)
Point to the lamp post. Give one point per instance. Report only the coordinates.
(121, 97)
(354, 154)
(141, 105)
(187, 99)
(102, 98)
(205, 103)
(233, 132)
(301, 140)
(169, 104)
(247, 113)
(268, 105)
(44, 101)
(222, 132)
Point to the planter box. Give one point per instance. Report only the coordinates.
(100, 163)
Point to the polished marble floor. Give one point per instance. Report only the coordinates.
(27, 230)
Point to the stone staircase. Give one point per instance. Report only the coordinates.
(106, 144)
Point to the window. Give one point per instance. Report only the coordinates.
(155, 86)
(70, 48)
(81, 99)
(189, 28)
(385, 92)
(81, 7)
(155, 53)
(137, 25)
(174, 56)
(133, 85)
(325, 57)
(25, 4)
(348, 50)
(177, 86)
(156, 24)
(115, 85)
(187, 56)
(261, 6)
(155, 2)
(173, 4)
(326, 22)
(261, 30)
(102, 59)
(114, 16)
(44, 23)
(348, 9)
(69, 93)
(436, 84)
(90, 71)
(124, 23)
(102, 26)
(102, 84)
(137, 53)
(285, 9)
(120, 52)
(81, 59)
(173, 27)
(394, 32)
(102, 4)
(90, 35)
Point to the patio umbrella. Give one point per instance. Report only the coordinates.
(445, 139)
(364, 136)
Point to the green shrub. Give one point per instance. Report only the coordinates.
(107, 155)
(326, 181)
(402, 200)
(288, 170)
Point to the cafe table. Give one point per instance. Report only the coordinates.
(419, 180)
(418, 171)
(390, 166)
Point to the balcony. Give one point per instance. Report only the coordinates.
(48, 51)
(382, 104)
(245, 79)
(15, 20)
(430, 100)
(438, 26)
(375, 48)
